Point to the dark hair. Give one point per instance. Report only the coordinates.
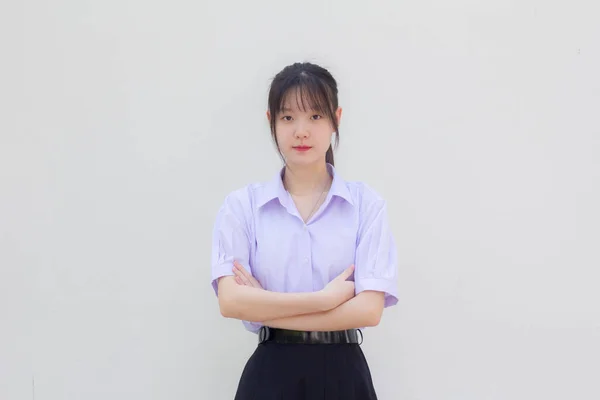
(315, 85)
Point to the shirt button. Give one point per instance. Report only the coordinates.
(305, 260)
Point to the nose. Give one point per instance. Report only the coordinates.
(301, 132)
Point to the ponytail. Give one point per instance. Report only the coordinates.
(329, 156)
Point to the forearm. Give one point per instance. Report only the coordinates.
(257, 305)
(363, 310)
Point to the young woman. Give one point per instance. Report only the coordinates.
(307, 259)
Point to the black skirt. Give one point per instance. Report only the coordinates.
(306, 372)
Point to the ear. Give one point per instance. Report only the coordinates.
(338, 115)
(268, 115)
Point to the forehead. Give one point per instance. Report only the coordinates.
(303, 99)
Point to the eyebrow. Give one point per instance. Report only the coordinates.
(287, 109)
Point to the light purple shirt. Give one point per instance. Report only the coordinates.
(260, 227)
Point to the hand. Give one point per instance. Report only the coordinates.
(243, 277)
(339, 290)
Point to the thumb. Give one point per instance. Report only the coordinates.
(347, 272)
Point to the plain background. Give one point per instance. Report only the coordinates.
(125, 123)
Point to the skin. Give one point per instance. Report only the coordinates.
(253, 303)
(306, 172)
(362, 310)
(335, 307)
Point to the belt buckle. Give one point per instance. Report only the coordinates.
(263, 334)
(362, 339)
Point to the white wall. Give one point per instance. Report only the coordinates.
(124, 124)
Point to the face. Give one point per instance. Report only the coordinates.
(303, 135)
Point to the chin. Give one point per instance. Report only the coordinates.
(303, 161)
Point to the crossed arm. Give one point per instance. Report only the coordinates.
(363, 310)
(334, 308)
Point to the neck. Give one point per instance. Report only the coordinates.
(306, 179)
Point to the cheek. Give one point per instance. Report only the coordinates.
(284, 136)
(324, 137)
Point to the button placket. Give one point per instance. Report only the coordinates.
(306, 260)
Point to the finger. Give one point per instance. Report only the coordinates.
(239, 274)
(347, 272)
(236, 271)
(239, 281)
(247, 274)
(239, 266)
(245, 280)
(256, 283)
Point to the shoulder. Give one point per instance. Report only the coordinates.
(243, 200)
(365, 196)
(238, 208)
(369, 204)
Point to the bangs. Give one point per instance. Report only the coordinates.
(305, 92)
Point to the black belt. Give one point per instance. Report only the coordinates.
(286, 336)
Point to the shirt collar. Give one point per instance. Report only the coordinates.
(274, 188)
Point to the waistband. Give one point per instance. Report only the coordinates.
(287, 336)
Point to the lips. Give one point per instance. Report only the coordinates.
(302, 148)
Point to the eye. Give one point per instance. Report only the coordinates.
(286, 118)
(316, 117)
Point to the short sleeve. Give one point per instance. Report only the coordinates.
(376, 258)
(230, 240)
